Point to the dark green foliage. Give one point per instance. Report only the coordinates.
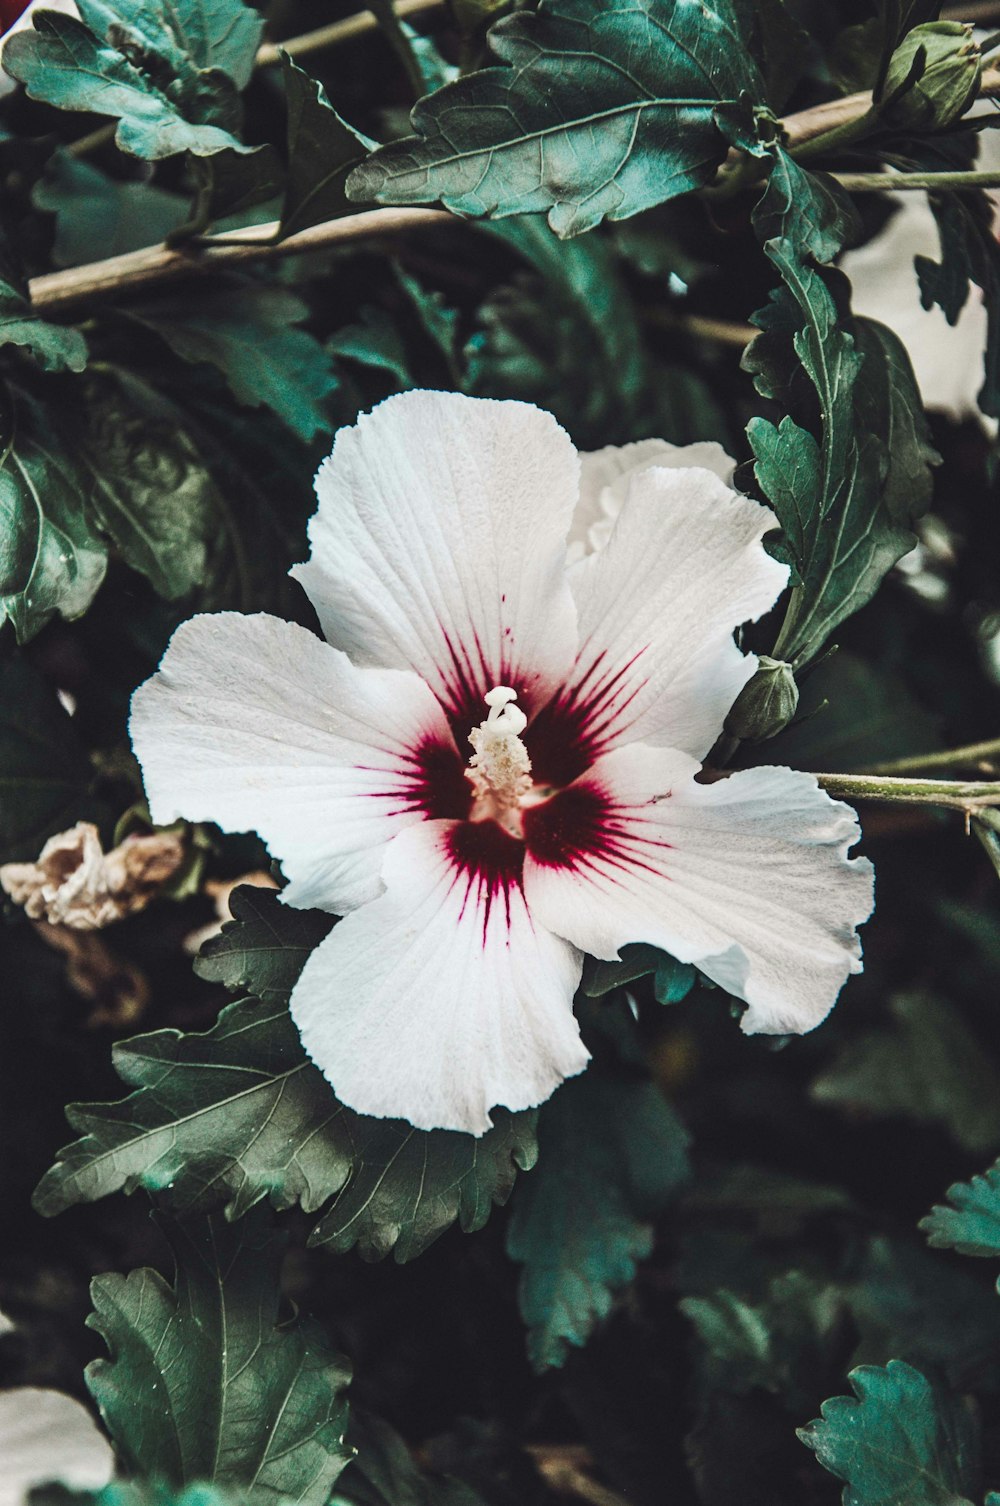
(322, 149)
(54, 347)
(205, 1384)
(845, 500)
(612, 1155)
(51, 558)
(901, 1440)
(239, 1114)
(597, 112)
(117, 67)
(99, 216)
(249, 335)
(718, 1229)
(970, 1221)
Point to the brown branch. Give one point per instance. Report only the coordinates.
(336, 32)
(55, 292)
(563, 1467)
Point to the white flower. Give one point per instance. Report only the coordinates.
(46, 1436)
(473, 881)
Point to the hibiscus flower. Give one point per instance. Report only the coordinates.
(489, 767)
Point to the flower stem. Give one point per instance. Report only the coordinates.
(969, 796)
(973, 756)
(891, 182)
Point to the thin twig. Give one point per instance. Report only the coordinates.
(968, 796)
(982, 756)
(138, 270)
(336, 32)
(891, 182)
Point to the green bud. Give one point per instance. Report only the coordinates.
(948, 83)
(766, 703)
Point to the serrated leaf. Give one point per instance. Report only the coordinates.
(190, 35)
(322, 150)
(971, 1224)
(239, 1114)
(51, 558)
(203, 1384)
(612, 1154)
(901, 1440)
(926, 1066)
(249, 335)
(263, 948)
(45, 774)
(596, 111)
(62, 63)
(409, 1185)
(845, 501)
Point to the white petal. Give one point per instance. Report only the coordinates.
(683, 567)
(258, 725)
(439, 545)
(47, 1436)
(605, 476)
(947, 359)
(748, 877)
(442, 998)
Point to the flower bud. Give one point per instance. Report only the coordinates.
(948, 83)
(766, 703)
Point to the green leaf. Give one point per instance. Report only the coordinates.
(322, 150)
(98, 216)
(565, 335)
(263, 949)
(927, 1066)
(45, 774)
(190, 35)
(62, 63)
(147, 485)
(248, 334)
(239, 1114)
(672, 980)
(203, 1384)
(612, 1154)
(901, 1440)
(51, 559)
(845, 502)
(598, 111)
(971, 1224)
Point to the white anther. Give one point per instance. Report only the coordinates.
(500, 769)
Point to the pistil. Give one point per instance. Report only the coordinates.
(500, 769)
